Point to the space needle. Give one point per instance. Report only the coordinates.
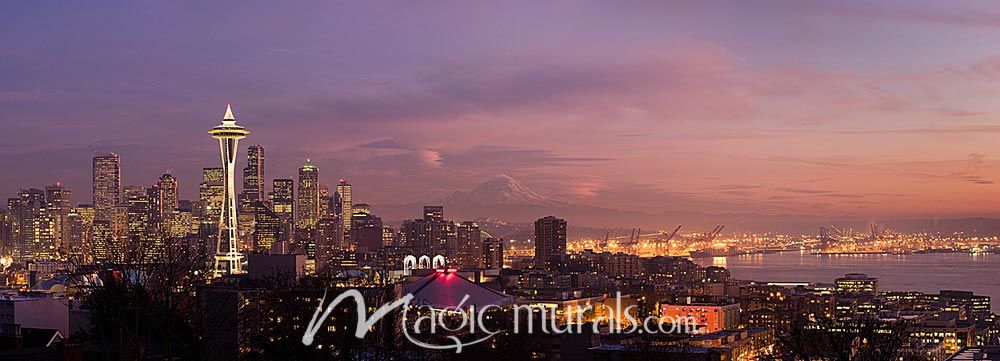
(227, 256)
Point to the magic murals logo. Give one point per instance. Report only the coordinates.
(464, 324)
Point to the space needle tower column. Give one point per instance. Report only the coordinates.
(227, 256)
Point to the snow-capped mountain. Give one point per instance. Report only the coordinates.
(499, 190)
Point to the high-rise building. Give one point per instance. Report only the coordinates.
(119, 229)
(328, 241)
(107, 182)
(345, 198)
(469, 246)
(181, 222)
(227, 257)
(143, 236)
(550, 243)
(389, 236)
(307, 212)
(434, 213)
(325, 200)
(167, 194)
(443, 233)
(58, 204)
(366, 229)
(283, 205)
(35, 237)
(492, 253)
(81, 232)
(253, 179)
(415, 234)
(103, 246)
(211, 194)
(6, 233)
(12, 227)
(444, 236)
(267, 228)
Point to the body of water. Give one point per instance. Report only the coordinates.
(914, 272)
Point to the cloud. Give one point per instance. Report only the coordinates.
(881, 11)
(430, 157)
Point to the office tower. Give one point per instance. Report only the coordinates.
(107, 182)
(389, 236)
(167, 194)
(267, 228)
(325, 200)
(344, 197)
(431, 234)
(307, 211)
(211, 194)
(75, 231)
(328, 240)
(366, 229)
(59, 205)
(181, 222)
(283, 205)
(415, 234)
(6, 233)
(434, 213)
(550, 243)
(35, 237)
(492, 253)
(362, 208)
(153, 203)
(119, 226)
(80, 228)
(142, 239)
(14, 225)
(103, 246)
(253, 179)
(444, 235)
(227, 256)
(468, 252)
(440, 232)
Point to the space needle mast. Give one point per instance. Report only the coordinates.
(227, 257)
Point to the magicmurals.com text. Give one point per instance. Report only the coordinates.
(419, 322)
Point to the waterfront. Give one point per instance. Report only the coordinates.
(913, 272)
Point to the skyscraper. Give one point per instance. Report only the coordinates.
(267, 228)
(283, 205)
(329, 235)
(81, 231)
(493, 253)
(431, 234)
(550, 242)
(307, 211)
(35, 238)
(434, 213)
(140, 226)
(344, 197)
(468, 251)
(167, 192)
(107, 182)
(366, 229)
(253, 179)
(59, 205)
(227, 256)
(211, 194)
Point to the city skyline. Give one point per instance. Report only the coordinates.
(803, 115)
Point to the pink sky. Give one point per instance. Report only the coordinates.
(841, 108)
